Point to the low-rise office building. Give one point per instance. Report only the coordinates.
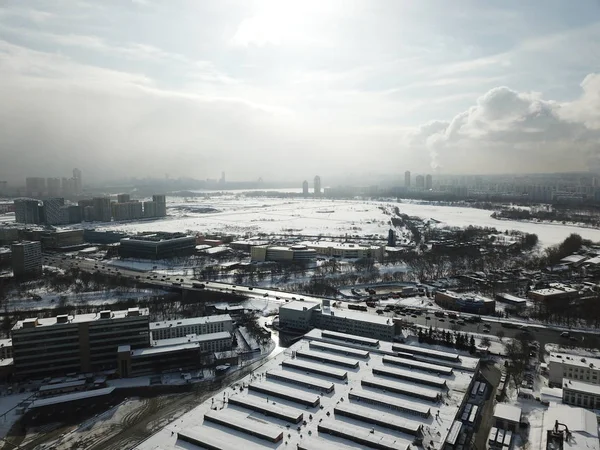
(346, 250)
(566, 366)
(465, 303)
(182, 353)
(76, 343)
(157, 245)
(580, 393)
(303, 316)
(295, 253)
(196, 325)
(555, 292)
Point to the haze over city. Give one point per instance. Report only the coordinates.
(262, 89)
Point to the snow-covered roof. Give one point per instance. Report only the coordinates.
(507, 412)
(358, 316)
(71, 397)
(574, 360)
(178, 344)
(574, 259)
(360, 415)
(298, 306)
(191, 321)
(582, 424)
(78, 318)
(581, 386)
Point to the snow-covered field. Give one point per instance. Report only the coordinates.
(237, 214)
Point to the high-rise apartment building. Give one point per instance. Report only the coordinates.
(123, 198)
(407, 178)
(305, 188)
(53, 187)
(77, 183)
(79, 343)
(420, 182)
(102, 209)
(127, 211)
(27, 211)
(52, 211)
(161, 204)
(428, 182)
(317, 185)
(27, 258)
(35, 186)
(149, 209)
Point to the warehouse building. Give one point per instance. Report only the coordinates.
(580, 393)
(292, 395)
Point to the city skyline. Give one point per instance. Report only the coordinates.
(443, 88)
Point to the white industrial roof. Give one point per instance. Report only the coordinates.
(574, 360)
(355, 420)
(191, 321)
(581, 386)
(507, 412)
(358, 316)
(298, 306)
(70, 397)
(582, 424)
(178, 344)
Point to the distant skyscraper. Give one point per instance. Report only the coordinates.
(102, 209)
(35, 186)
(407, 178)
(420, 182)
(27, 211)
(78, 184)
(317, 185)
(305, 188)
(161, 203)
(123, 198)
(53, 186)
(428, 182)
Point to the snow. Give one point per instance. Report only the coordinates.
(510, 413)
(241, 215)
(312, 435)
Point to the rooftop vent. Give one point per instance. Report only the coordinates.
(105, 314)
(132, 312)
(63, 318)
(30, 323)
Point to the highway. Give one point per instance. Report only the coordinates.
(542, 334)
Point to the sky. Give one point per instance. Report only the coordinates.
(289, 89)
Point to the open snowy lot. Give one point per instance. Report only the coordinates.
(240, 215)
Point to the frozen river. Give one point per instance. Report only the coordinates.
(240, 215)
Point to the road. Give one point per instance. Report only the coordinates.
(543, 334)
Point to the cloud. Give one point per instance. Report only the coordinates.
(514, 129)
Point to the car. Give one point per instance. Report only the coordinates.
(277, 298)
(565, 334)
(414, 316)
(250, 288)
(265, 294)
(460, 322)
(573, 338)
(427, 318)
(486, 330)
(452, 321)
(442, 320)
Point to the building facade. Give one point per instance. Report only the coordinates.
(428, 182)
(123, 198)
(295, 253)
(305, 188)
(102, 209)
(52, 211)
(161, 205)
(346, 250)
(157, 246)
(579, 393)
(407, 179)
(27, 211)
(76, 343)
(27, 259)
(465, 303)
(566, 366)
(127, 211)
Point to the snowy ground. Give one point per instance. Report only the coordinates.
(49, 299)
(237, 214)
